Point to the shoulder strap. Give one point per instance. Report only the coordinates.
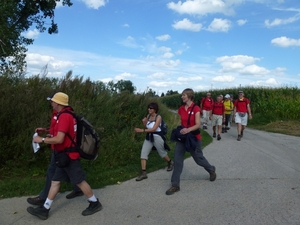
(188, 122)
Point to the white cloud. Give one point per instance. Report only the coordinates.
(241, 64)
(278, 22)
(165, 49)
(241, 22)
(126, 25)
(124, 76)
(163, 83)
(164, 37)
(271, 82)
(167, 64)
(168, 55)
(219, 25)
(224, 79)
(186, 24)
(285, 42)
(254, 70)
(158, 75)
(185, 79)
(94, 4)
(203, 7)
(129, 42)
(33, 34)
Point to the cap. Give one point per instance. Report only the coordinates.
(49, 97)
(61, 99)
(240, 92)
(227, 96)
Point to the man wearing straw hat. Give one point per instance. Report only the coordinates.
(72, 172)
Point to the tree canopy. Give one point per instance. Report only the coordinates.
(16, 17)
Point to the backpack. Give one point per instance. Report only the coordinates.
(88, 141)
(163, 126)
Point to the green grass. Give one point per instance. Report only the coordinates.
(30, 182)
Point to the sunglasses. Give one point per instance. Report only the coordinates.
(150, 108)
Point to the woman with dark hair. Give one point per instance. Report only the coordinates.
(154, 138)
(190, 121)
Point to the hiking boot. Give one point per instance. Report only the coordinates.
(204, 127)
(219, 137)
(74, 194)
(142, 176)
(172, 190)
(214, 134)
(242, 133)
(213, 175)
(93, 208)
(36, 201)
(239, 137)
(227, 128)
(40, 212)
(223, 130)
(170, 165)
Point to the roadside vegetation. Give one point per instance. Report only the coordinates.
(114, 112)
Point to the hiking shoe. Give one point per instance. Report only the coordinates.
(204, 127)
(74, 194)
(227, 128)
(214, 134)
(142, 176)
(223, 130)
(172, 190)
(242, 133)
(213, 175)
(219, 137)
(170, 165)
(93, 208)
(239, 137)
(40, 212)
(36, 201)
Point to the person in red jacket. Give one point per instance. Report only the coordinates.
(72, 172)
(205, 105)
(241, 111)
(217, 116)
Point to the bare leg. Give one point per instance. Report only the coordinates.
(86, 189)
(143, 164)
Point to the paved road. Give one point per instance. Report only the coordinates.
(258, 183)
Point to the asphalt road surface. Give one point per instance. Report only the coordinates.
(258, 182)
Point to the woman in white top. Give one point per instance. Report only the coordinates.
(154, 138)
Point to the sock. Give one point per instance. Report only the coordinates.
(93, 199)
(48, 203)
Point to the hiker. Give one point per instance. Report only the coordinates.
(71, 171)
(190, 121)
(217, 116)
(241, 112)
(41, 198)
(154, 138)
(228, 111)
(205, 106)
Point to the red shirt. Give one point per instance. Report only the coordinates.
(52, 124)
(218, 108)
(207, 103)
(241, 105)
(67, 124)
(184, 115)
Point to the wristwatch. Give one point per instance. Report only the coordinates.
(43, 140)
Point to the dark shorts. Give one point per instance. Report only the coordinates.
(73, 173)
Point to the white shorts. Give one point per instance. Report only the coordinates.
(242, 120)
(217, 120)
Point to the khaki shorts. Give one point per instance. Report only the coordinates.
(217, 120)
(242, 120)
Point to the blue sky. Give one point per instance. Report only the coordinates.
(172, 45)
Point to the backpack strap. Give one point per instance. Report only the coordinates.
(188, 122)
(68, 135)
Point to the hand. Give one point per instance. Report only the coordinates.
(250, 116)
(37, 139)
(184, 131)
(40, 130)
(138, 130)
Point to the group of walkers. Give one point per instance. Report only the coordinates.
(222, 112)
(187, 137)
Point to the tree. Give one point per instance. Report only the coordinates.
(171, 92)
(124, 85)
(16, 17)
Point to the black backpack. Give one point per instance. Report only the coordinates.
(88, 141)
(163, 126)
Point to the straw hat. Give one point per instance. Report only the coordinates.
(61, 99)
